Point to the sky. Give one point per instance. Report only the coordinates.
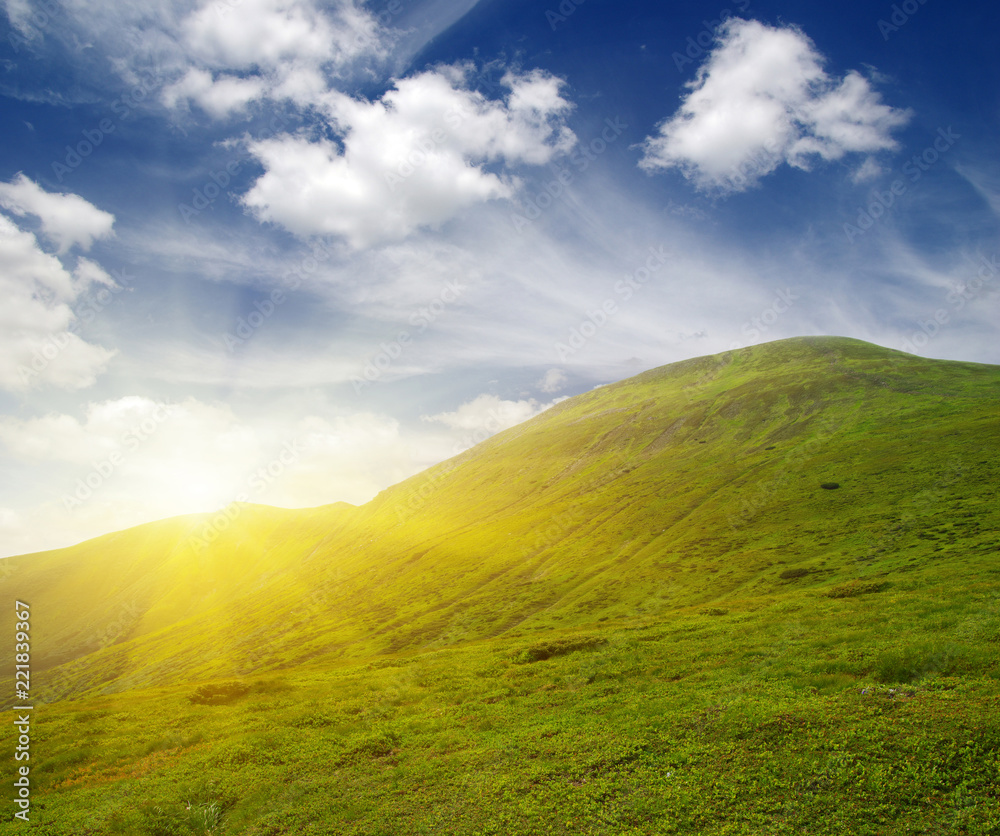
(293, 251)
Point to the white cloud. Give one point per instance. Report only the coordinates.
(135, 425)
(19, 13)
(178, 458)
(554, 380)
(38, 344)
(352, 457)
(867, 171)
(760, 99)
(66, 219)
(485, 415)
(267, 33)
(415, 158)
(281, 49)
(131, 460)
(219, 98)
(240, 47)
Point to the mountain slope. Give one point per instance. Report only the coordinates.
(646, 611)
(695, 484)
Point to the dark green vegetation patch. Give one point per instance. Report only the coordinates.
(222, 693)
(852, 589)
(557, 647)
(792, 574)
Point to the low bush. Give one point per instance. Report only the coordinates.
(557, 647)
(375, 745)
(221, 693)
(909, 664)
(852, 589)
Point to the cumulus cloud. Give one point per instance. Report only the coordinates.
(176, 458)
(762, 98)
(136, 425)
(485, 415)
(259, 49)
(65, 219)
(126, 461)
(554, 380)
(38, 343)
(268, 33)
(283, 49)
(414, 158)
(132, 459)
(351, 457)
(217, 97)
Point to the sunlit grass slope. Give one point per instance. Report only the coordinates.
(697, 483)
(122, 586)
(748, 593)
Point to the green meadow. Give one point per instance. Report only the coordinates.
(752, 593)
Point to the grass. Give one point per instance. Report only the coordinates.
(754, 721)
(642, 612)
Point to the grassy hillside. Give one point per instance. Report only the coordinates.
(755, 592)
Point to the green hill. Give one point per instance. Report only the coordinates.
(749, 593)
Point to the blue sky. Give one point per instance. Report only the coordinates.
(293, 251)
